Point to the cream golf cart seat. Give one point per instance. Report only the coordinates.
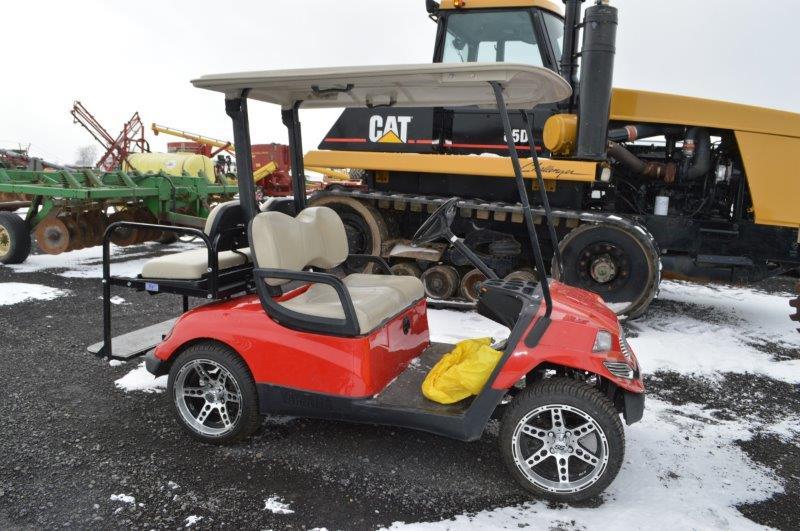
(192, 265)
(317, 238)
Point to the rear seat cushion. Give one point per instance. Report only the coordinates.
(191, 265)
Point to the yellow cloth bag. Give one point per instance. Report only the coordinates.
(461, 372)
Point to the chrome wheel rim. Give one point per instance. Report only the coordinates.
(560, 448)
(208, 397)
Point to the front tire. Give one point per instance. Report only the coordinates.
(213, 394)
(562, 440)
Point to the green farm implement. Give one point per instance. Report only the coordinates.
(70, 209)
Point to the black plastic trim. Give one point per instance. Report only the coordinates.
(155, 366)
(634, 407)
(286, 401)
(311, 323)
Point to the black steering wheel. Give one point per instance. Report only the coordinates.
(437, 226)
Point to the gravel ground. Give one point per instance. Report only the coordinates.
(71, 440)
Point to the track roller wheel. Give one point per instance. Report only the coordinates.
(406, 269)
(123, 236)
(440, 281)
(15, 240)
(795, 303)
(524, 274)
(471, 284)
(53, 236)
(620, 265)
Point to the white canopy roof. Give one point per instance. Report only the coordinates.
(420, 85)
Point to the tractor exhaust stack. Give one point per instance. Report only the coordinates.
(597, 72)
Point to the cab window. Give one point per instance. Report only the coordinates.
(555, 33)
(491, 36)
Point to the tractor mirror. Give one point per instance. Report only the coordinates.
(432, 6)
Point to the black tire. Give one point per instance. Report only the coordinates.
(576, 395)
(15, 239)
(248, 419)
(635, 260)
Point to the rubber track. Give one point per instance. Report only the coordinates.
(630, 226)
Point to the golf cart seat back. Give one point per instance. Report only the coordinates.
(193, 264)
(317, 238)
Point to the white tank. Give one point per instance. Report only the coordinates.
(171, 164)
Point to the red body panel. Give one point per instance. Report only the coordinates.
(576, 318)
(354, 367)
(359, 367)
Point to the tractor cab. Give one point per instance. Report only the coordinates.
(512, 32)
(300, 337)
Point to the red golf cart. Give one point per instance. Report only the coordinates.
(285, 335)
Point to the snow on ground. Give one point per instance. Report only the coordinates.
(681, 472)
(141, 380)
(192, 520)
(16, 292)
(727, 329)
(683, 469)
(276, 506)
(124, 498)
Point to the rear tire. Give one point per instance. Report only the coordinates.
(15, 239)
(562, 440)
(620, 266)
(213, 395)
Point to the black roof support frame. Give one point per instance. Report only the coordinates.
(236, 108)
(523, 195)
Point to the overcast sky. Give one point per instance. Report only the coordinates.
(118, 57)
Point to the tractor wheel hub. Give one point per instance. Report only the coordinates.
(603, 269)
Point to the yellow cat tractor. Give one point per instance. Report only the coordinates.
(637, 181)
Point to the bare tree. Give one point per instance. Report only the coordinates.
(86, 156)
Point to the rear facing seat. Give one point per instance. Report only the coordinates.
(192, 265)
(316, 238)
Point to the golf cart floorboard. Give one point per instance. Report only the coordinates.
(406, 390)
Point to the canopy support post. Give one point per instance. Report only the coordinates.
(291, 119)
(236, 108)
(542, 192)
(523, 196)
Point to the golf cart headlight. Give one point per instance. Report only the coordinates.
(602, 341)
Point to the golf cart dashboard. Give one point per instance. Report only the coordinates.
(504, 300)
